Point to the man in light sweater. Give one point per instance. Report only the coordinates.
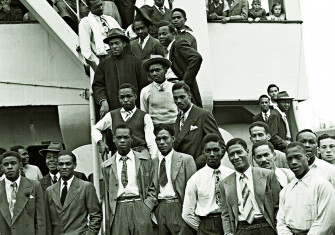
(156, 98)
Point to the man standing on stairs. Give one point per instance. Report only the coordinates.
(93, 30)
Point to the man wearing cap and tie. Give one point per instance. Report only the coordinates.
(238, 10)
(50, 155)
(128, 178)
(73, 205)
(156, 98)
(22, 208)
(115, 70)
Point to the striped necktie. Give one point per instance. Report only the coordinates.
(217, 187)
(54, 179)
(12, 202)
(128, 115)
(182, 119)
(124, 173)
(162, 173)
(248, 209)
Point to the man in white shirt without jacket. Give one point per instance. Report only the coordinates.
(201, 209)
(307, 204)
(319, 167)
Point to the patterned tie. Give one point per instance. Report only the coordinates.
(124, 174)
(64, 193)
(161, 9)
(54, 179)
(182, 119)
(161, 87)
(217, 186)
(162, 174)
(13, 187)
(266, 118)
(140, 43)
(128, 115)
(248, 209)
(104, 24)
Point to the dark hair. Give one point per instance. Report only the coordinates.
(181, 85)
(282, 11)
(235, 141)
(303, 131)
(123, 126)
(69, 153)
(16, 148)
(261, 143)
(179, 10)
(296, 144)
(323, 137)
(212, 137)
(10, 154)
(162, 126)
(272, 85)
(263, 96)
(139, 18)
(260, 124)
(2, 150)
(128, 85)
(162, 23)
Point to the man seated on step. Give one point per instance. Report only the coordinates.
(138, 120)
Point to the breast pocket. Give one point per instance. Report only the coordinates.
(31, 205)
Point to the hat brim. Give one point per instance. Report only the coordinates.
(122, 37)
(43, 152)
(285, 98)
(146, 64)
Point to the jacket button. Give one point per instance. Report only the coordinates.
(116, 184)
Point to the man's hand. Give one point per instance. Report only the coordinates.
(250, 20)
(104, 108)
(257, 19)
(225, 19)
(213, 16)
(103, 148)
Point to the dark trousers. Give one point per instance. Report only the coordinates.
(210, 225)
(132, 218)
(169, 219)
(258, 227)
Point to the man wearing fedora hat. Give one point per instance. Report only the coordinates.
(53, 176)
(117, 69)
(156, 98)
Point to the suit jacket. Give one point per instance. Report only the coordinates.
(144, 175)
(266, 189)
(239, 9)
(186, 63)
(199, 123)
(46, 180)
(152, 46)
(29, 210)
(71, 218)
(182, 168)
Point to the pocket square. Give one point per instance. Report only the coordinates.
(31, 197)
(193, 128)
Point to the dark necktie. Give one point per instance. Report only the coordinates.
(124, 174)
(161, 9)
(104, 24)
(54, 179)
(162, 174)
(217, 187)
(182, 120)
(64, 193)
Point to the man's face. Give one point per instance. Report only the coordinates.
(5, 2)
(284, 105)
(127, 98)
(256, 6)
(66, 166)
(273, 92)
(264, 157)
(257, 134)
(327, 149)
(213, 153)
(96, 7)
(11, 168)
(164, 35)
(264, 104)
(157, 73)
(297, 161)
(141, 30)
(309, 141)
(24, 156)
(182, 99)
(159, 3)
(164, 142)
(178, 20)
(51, 161)
(116, 46)
(238, 156)
(122, 140)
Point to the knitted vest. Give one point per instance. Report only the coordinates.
(218, 10)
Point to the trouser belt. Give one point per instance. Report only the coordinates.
(129, 199)
(171, 200)
(211, 215)
(257, 223)
(299, 231)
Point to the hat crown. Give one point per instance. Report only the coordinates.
(55, 146)
(156, 56)
(115, 32)
(283, 95)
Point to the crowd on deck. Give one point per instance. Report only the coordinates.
(163, 169)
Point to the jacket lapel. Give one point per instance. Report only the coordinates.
(176, 162)
(155, 163)
(4, 206)
(147, 48)
(259, 188)
(72, 193)
(55, 194)
(236, 2)
(22, 197)
(232, 195)
(136, 48)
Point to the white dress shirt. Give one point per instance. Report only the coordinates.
(267, 114)
(69, 182)
(52, 176)
(145, 40)
(32, 172)
(166, 192)
(132, 188)
(307, 203)
(9, 188)
(106, 123)
(200, 194)
(170, 73)
(284, 176)
(250, 182)
(323, 169)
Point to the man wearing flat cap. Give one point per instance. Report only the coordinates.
(117, 69)
(51, 159)
(156, 98)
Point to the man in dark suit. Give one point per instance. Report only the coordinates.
(22, 209)
(192, 123)
(264, 104)
(71, 200)
(172, 171)
(186, 61)
(249, 197)
(53, 176)
(238, 10)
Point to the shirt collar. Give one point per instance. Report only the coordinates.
(52, 175)
(267, 113)
(144, 40)
(210, 170)
(8, 182)
(157, 85)
(188, 111)
(130, 155)
(305, 180)
(69, 181)
(167, 157)
(247, 173)
(124, 111)
(170, 45)
(160, 7)
(316, 163)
